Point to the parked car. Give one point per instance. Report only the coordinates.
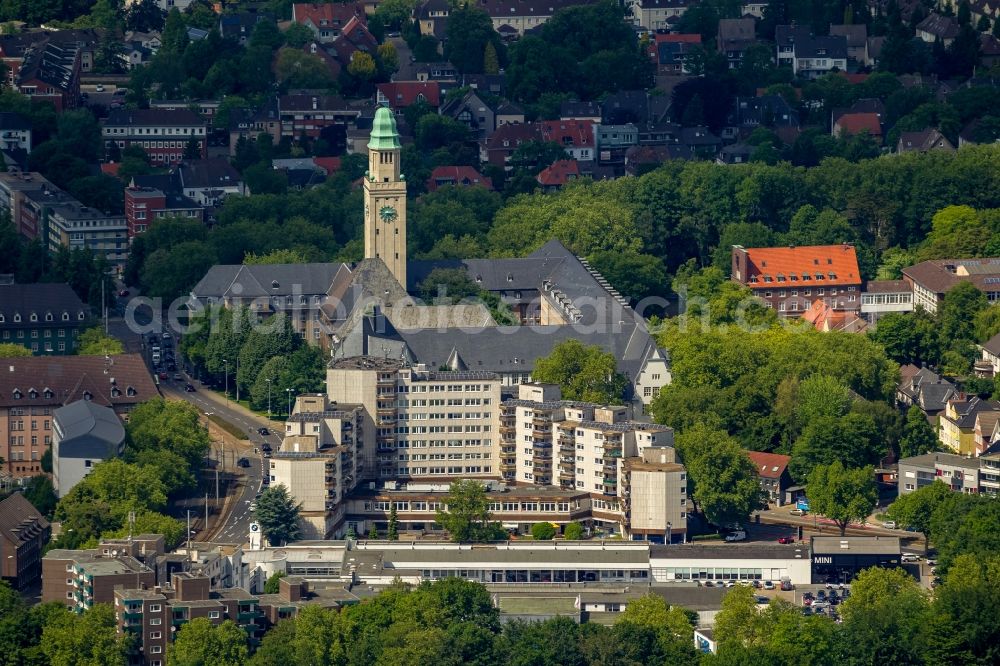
(762, 599)
(99, 87)
(786, 539)
(738, 535)
(253, 506)
(177, 377)
(797, 512)
(768, 585)
(786, 584)
(163, 376)
(889, 524)
(910, 557)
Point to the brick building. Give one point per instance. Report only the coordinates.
(23, 535)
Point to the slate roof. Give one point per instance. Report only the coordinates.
(768, 110)
(213, 172)
(153, 118)
(922, 141)
(943, 27)
(59, 380)
(20, 521)
(737, 30)
(925, 388)
(966, 410)
(257, 280)
(40, 299)
(993, 345)
(85, 419)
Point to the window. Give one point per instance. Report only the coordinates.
(156, 649)
(155, 621)
(156, 634)
(213, 615)
(154, 608)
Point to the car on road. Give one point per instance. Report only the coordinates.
(797, 512)
(189, 388)
(166, 335)
(177, 376)
(786, 539)
(123, 293)
(263, 432)
(910, 557)
(99, 88)
(243, 462)
(889, 524)
(253, 506)
(163, 376)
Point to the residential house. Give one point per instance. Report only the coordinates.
(924, 388)
(398, 95)
(313, 115)
(669, 52)
(749, 113)
(857, 42)
(789, 279)
(251, 123)
(644, 158)
(15, 132)
(931, 280)
(472, 111)
(557, 174)
(735, 153)
(208, 182)
(500, 146)
(148, 40)
(658, 14)
(163, 133)
(508, 113)
(577, 110)
(81, 578)
(697, 143)
(85, 434)
(923, 141)
(519, 16)
(984, 431)
(150, 198)
(882, 296)
(809, 55)
(444, 73)
(31, 388)
(864, 105)
(43, 317)
(754, 8)
(989, 364)
(432, 18)
(772, 471)
(937, 27)
(306, 172)
(135, 55)
(48, 65)
(354, 37)
(575, 136)
(734, 38)
(240, 25)
(458, 176)
(628, 106)
(959, 473)
(851, 124)
(327, 20)
(958, 422)
(23, 535)
(612, 142)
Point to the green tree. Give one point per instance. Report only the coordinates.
(491, 61)
(447, 286)
(739, 621)
(93, 342)
(393, 532)
(201, 643)
(468, 29)
(841, 494)
(853, 439)
(388, 57)
(373, 532)
(918, 435)
(9, 350)
(41, 494)
(582, 373)
(362, 66)
(651, 610)
(297, 36)
(573, 531)
(883, 618)
(722, 478)
(69, 639)
(908, 337)
(273, 584)
(192, 151)
(914, 509)
(297, 69)
(278, 515)
(543, 531)
(466, 515)
(958, 310)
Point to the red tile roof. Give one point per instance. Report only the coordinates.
(769, 465)
(457, 175)
(823, 265)
(402, 94)
(513, 134)
(569, 133)
(327, 14)
(327, 164)
(559, 173)
(684, 38)
(825, 318)
(854, 79)
(110, 168)
(854, 123)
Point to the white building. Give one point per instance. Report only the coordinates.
(702, 562)
(882, 296)
(84, 434)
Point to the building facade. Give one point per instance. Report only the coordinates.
(385, 197)
(75, 226)
(931, 280)
(45, 318)
(163, 133)
(84, 435)
(23, 535)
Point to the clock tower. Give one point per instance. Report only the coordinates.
(385, 197)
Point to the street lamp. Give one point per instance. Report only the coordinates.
(268, 398)
(226, 363)
(289, 392)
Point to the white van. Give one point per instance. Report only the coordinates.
(738, 535)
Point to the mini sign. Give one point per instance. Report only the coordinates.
(823, 559)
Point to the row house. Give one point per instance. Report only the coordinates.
(45, 318)
(48, 65)
(432, 18)
(957, 423)
(309, 115)
(790, 279)
(250, 124)
(32, 388)
(163, 133)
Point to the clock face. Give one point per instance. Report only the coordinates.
(387, 213)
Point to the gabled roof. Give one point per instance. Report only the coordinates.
(513, 134)
(301, 102)
(264, 280)
(41, 300)
(213, 172)
(568, 133)
(856, 33)
(993, 345)
(559, 173)
(855, 123)
(922, 141)
(402, 94)
(940, 275)
(85, 419)
(58, 380)
(457, 175)
(940, 26)
(328, 14)
(737, 30)
(20, 521)
(769, 465)
(824, 265)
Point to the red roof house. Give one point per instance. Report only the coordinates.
(575, 136)
(855, 123)
(558, 174)
(327, 20)
(401, 94)
(462, 176)
(772, 470)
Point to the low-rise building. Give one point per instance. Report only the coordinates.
(658, 14)
(513, 18)
(772, 471)
(81, 578)
(883, 296)
(924, 388)
(457, 176)
(146, 204)
(45, 318)
(840, 559)
(749, 562)
(84, 435)
(938, 27)
(575, 136)
(809, 55)
(307, 115)
(922, 141)
(931, 280)
(959, 473)
(327, 20)
(13, 186)
(790, 279)
(734, 38)
(958, 422)
(208, 182)
(856, 35)
(23, 535)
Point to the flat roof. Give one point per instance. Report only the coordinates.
(730, 551)
(540, 557)
(823, 545)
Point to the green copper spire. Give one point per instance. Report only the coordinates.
(384, 135)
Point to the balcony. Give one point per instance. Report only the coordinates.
(132, 615)
(610, 482)
(248, 616)
(541, 419)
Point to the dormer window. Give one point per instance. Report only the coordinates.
(130, 391)
(116, 392)
(48, 316)
(65, 316)
(87, 395)
(80, 316)
(510, 277)
(34, 317)
(274, 284)
(32, 393)
(48, 393)
(17, 317)
(17, 394)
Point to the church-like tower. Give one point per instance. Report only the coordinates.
(385, 197)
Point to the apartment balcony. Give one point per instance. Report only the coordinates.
(132, 615)
(248, 616)
(541, 419)
(610, 467)
(566, 474)
(610, 481)
(507, 429)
